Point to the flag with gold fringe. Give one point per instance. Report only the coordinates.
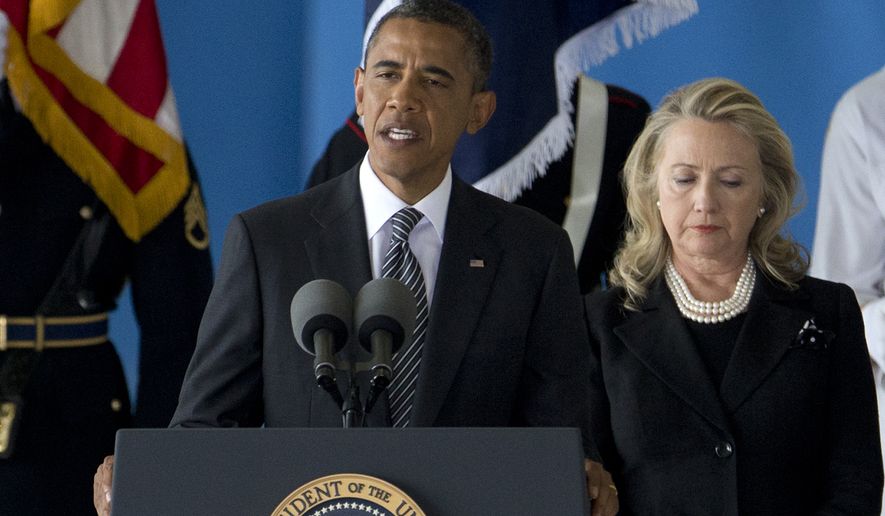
(91, 76)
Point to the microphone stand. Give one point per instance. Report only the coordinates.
(352, 410)
(329, 385)
(382, 373)
(377, 388)
(352, 413)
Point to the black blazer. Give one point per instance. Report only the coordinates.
(506, 341)
(791, 430)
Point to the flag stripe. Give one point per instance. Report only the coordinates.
(139, 75)
(135, 166)
(17, 14)
(95, 55)
(167, 116)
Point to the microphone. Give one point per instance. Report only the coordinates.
(384, 313)
(321, 313)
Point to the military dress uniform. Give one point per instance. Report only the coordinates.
(63, 262)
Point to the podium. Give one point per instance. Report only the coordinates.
(445, 471)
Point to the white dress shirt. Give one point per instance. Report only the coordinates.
(849, 239)
(425, 240)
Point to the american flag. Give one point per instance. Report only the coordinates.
(91, 76)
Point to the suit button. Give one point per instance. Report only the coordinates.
(724, 450)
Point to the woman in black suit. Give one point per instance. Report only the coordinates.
(725, 380)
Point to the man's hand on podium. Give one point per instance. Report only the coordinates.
(603, 493)
(101, 486)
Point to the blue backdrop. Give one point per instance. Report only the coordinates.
(260, 91)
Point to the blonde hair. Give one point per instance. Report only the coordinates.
(643, 254)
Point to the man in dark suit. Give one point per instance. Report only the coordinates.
(620, 114)
(505, 343)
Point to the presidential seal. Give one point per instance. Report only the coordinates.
(347, 494)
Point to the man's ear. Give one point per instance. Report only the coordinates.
(484, 104)
(358, 76)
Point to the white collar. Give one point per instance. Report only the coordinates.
(379, 203)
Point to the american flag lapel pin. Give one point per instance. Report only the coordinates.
(477, 263)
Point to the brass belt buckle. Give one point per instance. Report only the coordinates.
(40, 337)
(3, 332)
(9, 418)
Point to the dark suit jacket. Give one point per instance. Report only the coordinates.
(550, 194)
(792, 430)
(506, 342)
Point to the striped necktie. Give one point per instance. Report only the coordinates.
(400, 263)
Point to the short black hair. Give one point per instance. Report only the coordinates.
(450, 14)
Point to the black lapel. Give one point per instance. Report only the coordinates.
(774, 318)
(460, 294)
(660, 339)
(340, 250)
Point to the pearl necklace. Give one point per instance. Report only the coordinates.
(711, 312)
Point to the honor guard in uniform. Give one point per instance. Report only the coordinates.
(63, 261)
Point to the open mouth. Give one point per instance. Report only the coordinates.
(398, 134)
